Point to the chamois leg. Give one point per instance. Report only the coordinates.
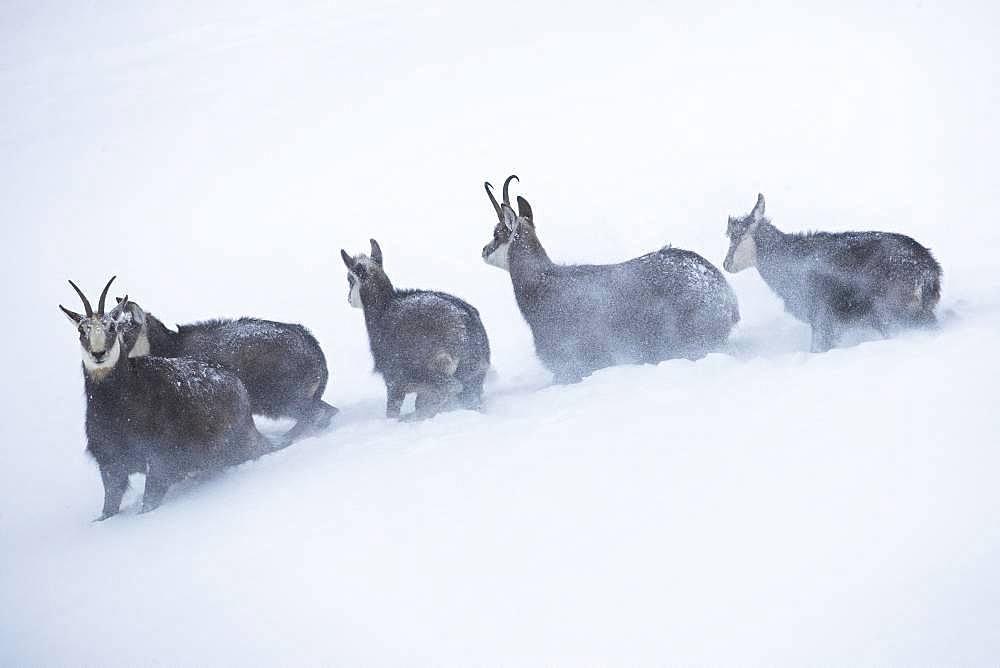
(324, 414)
(435, 396)
(824, 324)
(827, 294)
(887, 319)
(925, 319)
(395, 393)
(562, 356)
(882, 327)
(921, 318)
(567, 376)
(251, 445)
(158, 480)
(823, 335)
(312, 419)
(430, 401)
(471, 396)
(301, 429)
(115, 480)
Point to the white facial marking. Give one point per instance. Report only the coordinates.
(355, 296)
(141, 347)
(98, 370)
(498, 258)
(745, 255)
(97, 338)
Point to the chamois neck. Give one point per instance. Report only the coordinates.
(163, 342)
(526, 256)
(375, 298)
(778, 256)
(771, 243)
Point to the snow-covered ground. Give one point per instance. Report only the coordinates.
(763, 506)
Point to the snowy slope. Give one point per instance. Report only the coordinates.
(762, 506)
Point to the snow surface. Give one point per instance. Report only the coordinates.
(765, 506)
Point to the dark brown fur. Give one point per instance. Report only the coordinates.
(162, 417)
(838, 281)
(281, 364)
(428, 343)
(671, 303)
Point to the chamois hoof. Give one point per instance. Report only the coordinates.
(323, 426)
(452, 337)
(103, 517)
(325, 421)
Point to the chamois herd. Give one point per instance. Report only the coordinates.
(173, 403)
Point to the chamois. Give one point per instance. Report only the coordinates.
(667, 304)
(429, 343)
(281, 364)
(835, 281)
(162, 417)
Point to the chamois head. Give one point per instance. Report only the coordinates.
(100, 341)
(742, 246)
(366, 279)
(134, 328)
(495, 252)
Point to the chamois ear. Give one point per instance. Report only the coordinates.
(524, 209)
(348, 261)
(758, 210)
(74, 318)
(376, 252)
(116, 312)
(508, 217)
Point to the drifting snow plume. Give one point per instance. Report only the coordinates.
(667, 304)
(838, 281)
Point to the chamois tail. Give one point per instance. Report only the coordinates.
(926, 295)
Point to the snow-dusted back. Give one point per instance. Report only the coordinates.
(759, 506)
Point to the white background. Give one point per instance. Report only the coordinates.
(759, 506)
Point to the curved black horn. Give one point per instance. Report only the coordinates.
(489, 191)
(83, 298)
(104, 294)
(506, 184)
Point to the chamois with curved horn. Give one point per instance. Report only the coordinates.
(667, 304)
(426, 343)
(838, 281)
(281, 364)
(162, 417)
